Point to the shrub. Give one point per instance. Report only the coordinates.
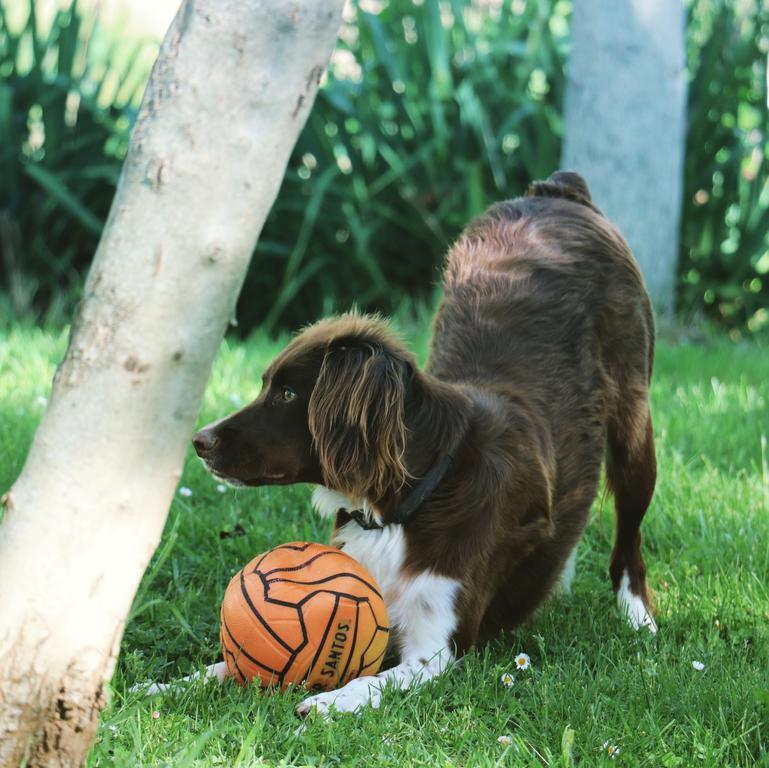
(429, 113)
(724, 263)
(67, 99)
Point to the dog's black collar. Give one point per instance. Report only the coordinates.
(417, 496)
(367, 523)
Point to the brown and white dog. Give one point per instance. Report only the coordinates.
(465, 487)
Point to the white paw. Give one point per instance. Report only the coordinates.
(311, 703)
(633, 606)
(212, 672)
(566, 578)
(147, 689)
(356, 694)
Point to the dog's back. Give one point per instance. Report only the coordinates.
(537, 277)
(542, 294)
(544, 302)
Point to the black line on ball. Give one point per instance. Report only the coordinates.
(305, 563)
(373, 661)
(365, 651)
(258, 615)
(325, 634)
(302, 548)
(297, 650)
(235, 663)
(329, 578)
(355, 598)
(305, 637)
(374, 616)
(246, 653)
(352, 645)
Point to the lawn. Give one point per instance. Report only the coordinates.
(592, 681)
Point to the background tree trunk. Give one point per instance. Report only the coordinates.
(625, 124)
(231, 90)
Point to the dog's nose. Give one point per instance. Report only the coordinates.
(204, 441)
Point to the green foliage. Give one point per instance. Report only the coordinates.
(67, 98)
(724, 263)
(592, 680)
(430, 112)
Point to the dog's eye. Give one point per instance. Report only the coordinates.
(287, 394)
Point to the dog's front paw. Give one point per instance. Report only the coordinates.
(351, 698)
(320, 703)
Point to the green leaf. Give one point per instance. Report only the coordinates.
(64, 197)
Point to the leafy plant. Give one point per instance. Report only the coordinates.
(430, 112)
(67, 98)
(724, 264)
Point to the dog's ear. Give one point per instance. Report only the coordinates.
(356, 418)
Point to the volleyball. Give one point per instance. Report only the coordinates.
(303, 613)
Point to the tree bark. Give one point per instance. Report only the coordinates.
(625, 124)
(230, 92)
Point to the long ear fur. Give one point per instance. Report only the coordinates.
(356, 418)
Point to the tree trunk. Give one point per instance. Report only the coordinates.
(230, 92)
(625, 124)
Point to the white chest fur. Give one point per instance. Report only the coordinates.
(421, 608)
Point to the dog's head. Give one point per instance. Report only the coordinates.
(331, 411)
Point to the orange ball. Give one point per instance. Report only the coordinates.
(303, 613)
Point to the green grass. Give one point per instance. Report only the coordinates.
(592, 679)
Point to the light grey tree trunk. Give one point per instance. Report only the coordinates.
(625, 124)
(230, 92)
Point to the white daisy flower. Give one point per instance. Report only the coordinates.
(508, 680)
(185, 491)
(505, 741)
(221, 488)
(522, 661)
(155, 715)
(612, 750)
(698, 665)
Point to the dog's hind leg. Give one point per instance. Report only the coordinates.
(631, 470)
(566, 579)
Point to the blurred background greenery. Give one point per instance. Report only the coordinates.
(430, 111)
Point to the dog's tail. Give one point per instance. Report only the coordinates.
(568, 185)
